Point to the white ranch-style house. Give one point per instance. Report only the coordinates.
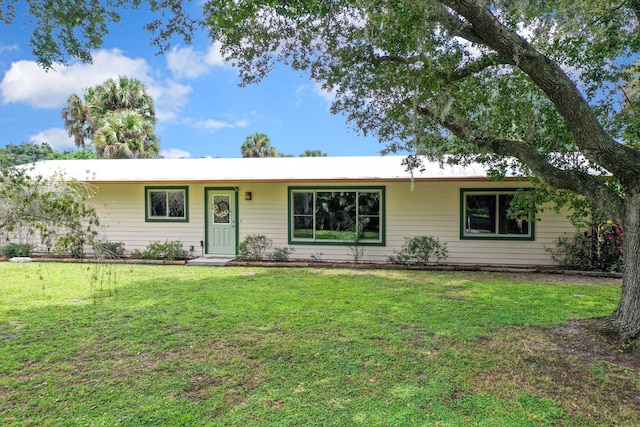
(310, 203)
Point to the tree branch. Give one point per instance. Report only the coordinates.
(634, 5)
(454, 25)
(568, 179)
(589, 135)
(486, 61)
(471, 68)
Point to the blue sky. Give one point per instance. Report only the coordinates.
(201, 109)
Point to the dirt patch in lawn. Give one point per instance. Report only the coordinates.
(573, 365)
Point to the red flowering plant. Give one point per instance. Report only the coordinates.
(608, 246)
(600, 247)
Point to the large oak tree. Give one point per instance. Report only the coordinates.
(546, 87)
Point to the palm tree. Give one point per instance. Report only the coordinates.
(85, 117)
(125, 93)
(313, 153)
(257, 145)
(125, 134)
(77, 120)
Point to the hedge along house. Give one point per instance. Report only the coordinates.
(313, 205)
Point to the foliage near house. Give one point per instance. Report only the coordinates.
(599, 248)
(167, 250)
(17, 250)
(53, 211)
(421, 250)
(25, 152)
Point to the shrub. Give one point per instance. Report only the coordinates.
(571, 252)
(419, 249)
(136, 254)
(109, 250)
(17, 250)
(317, 257)
(54, 210)
(600, 249)
(69, 245)
(76, 248)
(254, 247)
(281, 254)
(168, 250)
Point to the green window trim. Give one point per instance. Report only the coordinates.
(310, 209)
(485, 218)
(166, 204)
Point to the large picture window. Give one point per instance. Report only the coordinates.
(336, 215)
(166, 204)
(488, 214)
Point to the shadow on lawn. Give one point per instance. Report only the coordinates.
(244, 346)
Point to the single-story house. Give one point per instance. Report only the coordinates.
(310, 204)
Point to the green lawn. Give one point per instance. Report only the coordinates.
(139, 345)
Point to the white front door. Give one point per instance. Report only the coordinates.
(221, 222)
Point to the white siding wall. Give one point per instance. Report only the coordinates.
(432, 208)
(122, 216)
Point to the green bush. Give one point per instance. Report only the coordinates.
(17, 250)
(281, 254)
(254, 247)
(419, 250)
(317, 257)
(136, 254)
(600, 249)
(76, 248)
(109, 250)
(167, 250)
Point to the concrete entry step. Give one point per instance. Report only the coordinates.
(211, 260)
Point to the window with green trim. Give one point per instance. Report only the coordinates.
(487, 214)
(326, 215)
(166, 204)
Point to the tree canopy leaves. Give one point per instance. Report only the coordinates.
(67, 28)
(25, 152)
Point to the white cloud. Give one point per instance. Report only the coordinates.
(327, 96)
(188, 63)
(174, 153)
(169, 98)
(214, 57)
(316, 89)
(213, 125)
(8, 48)
(57, 138)
(27, 82)
(298, 93)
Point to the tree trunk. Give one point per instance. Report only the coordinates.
(626, 317)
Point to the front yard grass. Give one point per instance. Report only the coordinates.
(137, 345)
